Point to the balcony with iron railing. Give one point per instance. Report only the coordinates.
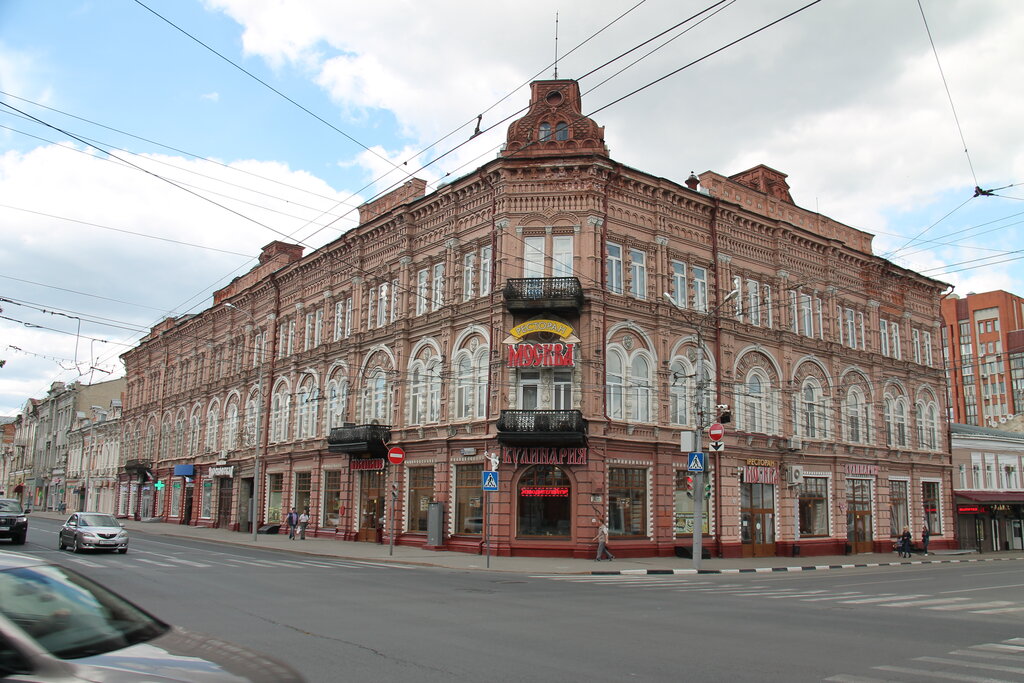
(360, 439)
(542, 428)
(559, 294)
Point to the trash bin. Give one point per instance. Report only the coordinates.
(269, 529)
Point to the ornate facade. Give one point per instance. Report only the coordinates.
(544, 312)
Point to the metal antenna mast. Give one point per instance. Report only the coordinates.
(556, 45)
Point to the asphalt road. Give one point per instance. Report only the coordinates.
(341, 620)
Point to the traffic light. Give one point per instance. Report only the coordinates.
(394, 489)
(707, 490)
(724, 414)
(688, 485)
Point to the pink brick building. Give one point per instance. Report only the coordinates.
(520, 312)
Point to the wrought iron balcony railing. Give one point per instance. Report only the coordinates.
(550, 293)
(360, 439)
(542, 427)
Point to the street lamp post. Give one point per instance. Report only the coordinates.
(259, 419)
(698, 477)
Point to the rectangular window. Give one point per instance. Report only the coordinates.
(813, 507)
(437, 292)
(851, 329)
(627, 501)
(176, 498)
(614, 274)
(533, 257)
(932, 510)
(821, 322)
(679, 295)
(899, 507)
(206, 500)
(371, 308)
(700, 288)
(394, 300)
(485, 271)
(927, 344)
(469, 510)
(806, 316)
(275, 491)
(754, 302)
(348, 316)
(638, 273)
(307, 333)
(468, 276)
(894, 329)
(303, 486)
(737, 286)
(421, 291)
(860, 329)
(421, 493)
(562, 256)
(794, 315)
(883, 336)
(318, 327)
(684, 505)
(332, 498)
(766, 292)
(915, 339)
(843, 338)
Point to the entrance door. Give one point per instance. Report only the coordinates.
(859, 529)
(146, 506)
(757, 519)
(371, 505)
(186, 517)
(224, 503)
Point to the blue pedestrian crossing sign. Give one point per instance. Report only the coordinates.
(490, 481)
(695, 462)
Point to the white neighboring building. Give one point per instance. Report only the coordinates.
(988, 487)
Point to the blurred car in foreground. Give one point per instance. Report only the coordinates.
(92, 531)
(56, 625)
(13, 522)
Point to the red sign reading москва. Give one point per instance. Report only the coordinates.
(541, 355)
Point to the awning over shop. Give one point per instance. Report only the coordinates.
(993, 496)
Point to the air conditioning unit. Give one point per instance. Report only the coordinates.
(794, 443)
(794, 475)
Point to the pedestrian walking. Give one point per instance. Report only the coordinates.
(292, 520)
(925, 535)
(303, 523)
(602, 543)
(905, 541)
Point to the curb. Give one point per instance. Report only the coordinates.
(803, 568)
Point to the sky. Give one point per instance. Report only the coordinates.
(150, 148)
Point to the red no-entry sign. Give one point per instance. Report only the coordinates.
(716, 431)
(396, 455)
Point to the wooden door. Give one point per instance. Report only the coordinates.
(757, 520)
(224, 499)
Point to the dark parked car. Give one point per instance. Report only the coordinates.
(13, 522)
(58, 626)
(92, 531)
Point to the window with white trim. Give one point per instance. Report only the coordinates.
(638, 273)
(613, 276)
(679, 289)
(700, 288)
(485, 270)
(422, 291)
(468, 275)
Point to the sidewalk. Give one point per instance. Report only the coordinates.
(371, 552)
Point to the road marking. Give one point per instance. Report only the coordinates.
(1001, 647)
(839, 596)
(1004, 610)
(932, 601)
(795, 595)
(972, 665)
(974, 606)
(86, 563)
(159, 564)
(889, 597)
(939, 674)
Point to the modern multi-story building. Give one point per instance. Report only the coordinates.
(983, 338)
(988, 488)
(573, 320)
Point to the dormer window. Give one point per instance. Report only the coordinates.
(545, 131)
(561, 131)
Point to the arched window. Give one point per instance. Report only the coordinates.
(856, 417)
(545, 132)
(545, 496)
(166, 436)
(812, 410)
(561, 130)
(464, 386)
(900, 419)
(251, 410)
(212, 429)
(337, 401)
(680, 377)
(754, 404)
(932, 426)
(433, 380)
(375, 398)
(231, 427)
(640, 388)
(150, 442)
(280, 404)
(480, 378)
(615, 381)
(179, 436)
(194, 428)
(922, 441)
(888, 410)
(308, 412)
(417, 395)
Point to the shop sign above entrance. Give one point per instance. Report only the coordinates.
(544, 456)
(357, 464)
(541, 352)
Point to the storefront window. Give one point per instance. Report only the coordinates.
(332, 498)
(206, 504)
(421, 492)
(176, 498)
(627, 501)
(122, 500)
(814, 507)
(544, 501)
(303, 483)
(469, 511)
(930, 499)
(275, 489)
(160, 500)
(899, 507)
(684, 503)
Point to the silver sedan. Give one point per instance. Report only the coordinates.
(92, 531)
